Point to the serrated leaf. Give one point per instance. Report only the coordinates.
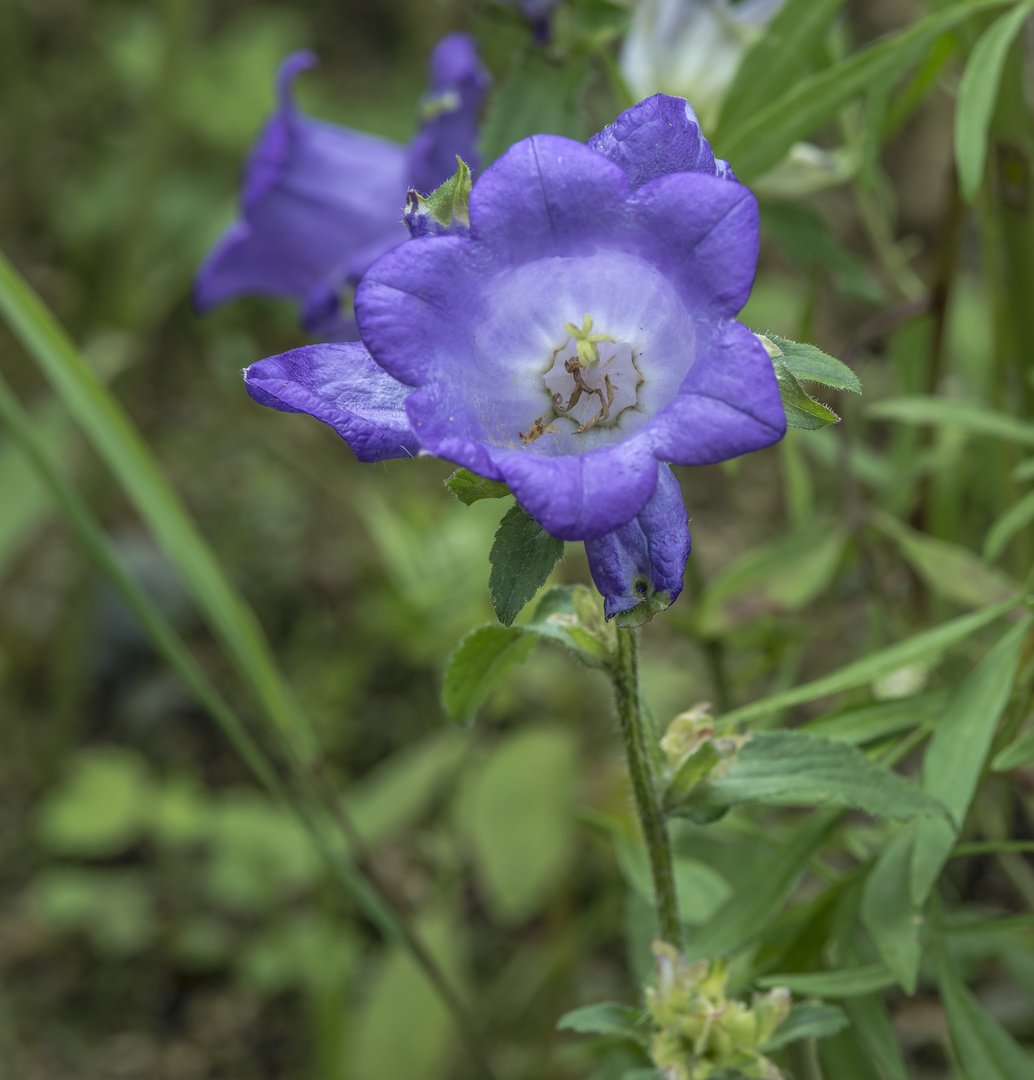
(470, 488)
(965, 415)
(813, 365)
(790, 767)
(477, 664)
(921, 647)
(978, 92)
(847, 982)
(807, 1020)
(606, 1018)
(890, 915)
(802, 410)
(985, 1049)
(522, 557)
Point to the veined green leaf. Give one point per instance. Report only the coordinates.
(921, 647)
(469, 488)
(952, 571)
(1017, 517)
(607, 1018)
(757, 901)
(792, 768)
(986, 1050)
(847, 982)
(773, 63)
(978, 92)
(802, 410)
(890, 915)
(479, 663)
(811, 364)
(947, 412)
(807, 1020)
(762, 139)
(522, 557)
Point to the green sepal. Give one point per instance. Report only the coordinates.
(642, 613)
(793, 361)
(470, 488)
(448, 204)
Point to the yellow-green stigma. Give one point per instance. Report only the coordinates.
(586, 341)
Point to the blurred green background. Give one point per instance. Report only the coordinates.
(160, 918)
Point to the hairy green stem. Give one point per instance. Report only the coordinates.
(625, 676)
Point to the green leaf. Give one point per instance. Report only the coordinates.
(761, 140)
(572, 616)
(966, 416)
(847, 982)
(978, 92)
(1016, 518)
(789, 767)
(449, 203)
(522, 557)
(469, 488)
(760, 897)
(802, 410)
(890, 915)
(810, 364)
(844, 1057)
(477, 664)
(518, 813)
(773, 63)
(607, 1018)
(539, 96)
(985, 1049)
(948, 569)
(807, 1020)
(1016, 754)
(922, 647)
(862, 724)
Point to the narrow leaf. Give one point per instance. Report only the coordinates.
(889, 913)
(1017, 517)
(921, 647)
(790, 767)
(469, 488)
(986, 1050)
(522, 557)
(756, 904)
(965, 415)
(862, 724)
(808, 1020)
(810, 364)
(607, 1018)
(773, 63)
(477, 664)
(978, 92)
(1018, 753)
(845, 983)
(761, 140)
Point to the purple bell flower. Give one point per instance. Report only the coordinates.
(577, 341)
(320, 203)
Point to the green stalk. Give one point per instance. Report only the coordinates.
(624, 674)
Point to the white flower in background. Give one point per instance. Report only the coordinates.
(691, 48)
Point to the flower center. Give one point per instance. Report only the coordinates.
(593, 379)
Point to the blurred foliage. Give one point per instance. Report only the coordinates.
(162, 917)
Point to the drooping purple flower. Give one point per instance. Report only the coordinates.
(320, 202)
(575, 342)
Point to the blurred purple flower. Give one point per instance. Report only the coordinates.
(579, 339)
(320, 202)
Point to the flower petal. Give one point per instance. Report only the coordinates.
(458, 83)
(728, 405)
(583, 497)
(341, 385)
(704, 232)
(644, 560)
(547, 195)
(658, 136)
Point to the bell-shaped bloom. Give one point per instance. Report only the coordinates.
(691, 48)
(574, 342)
(320, 202)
